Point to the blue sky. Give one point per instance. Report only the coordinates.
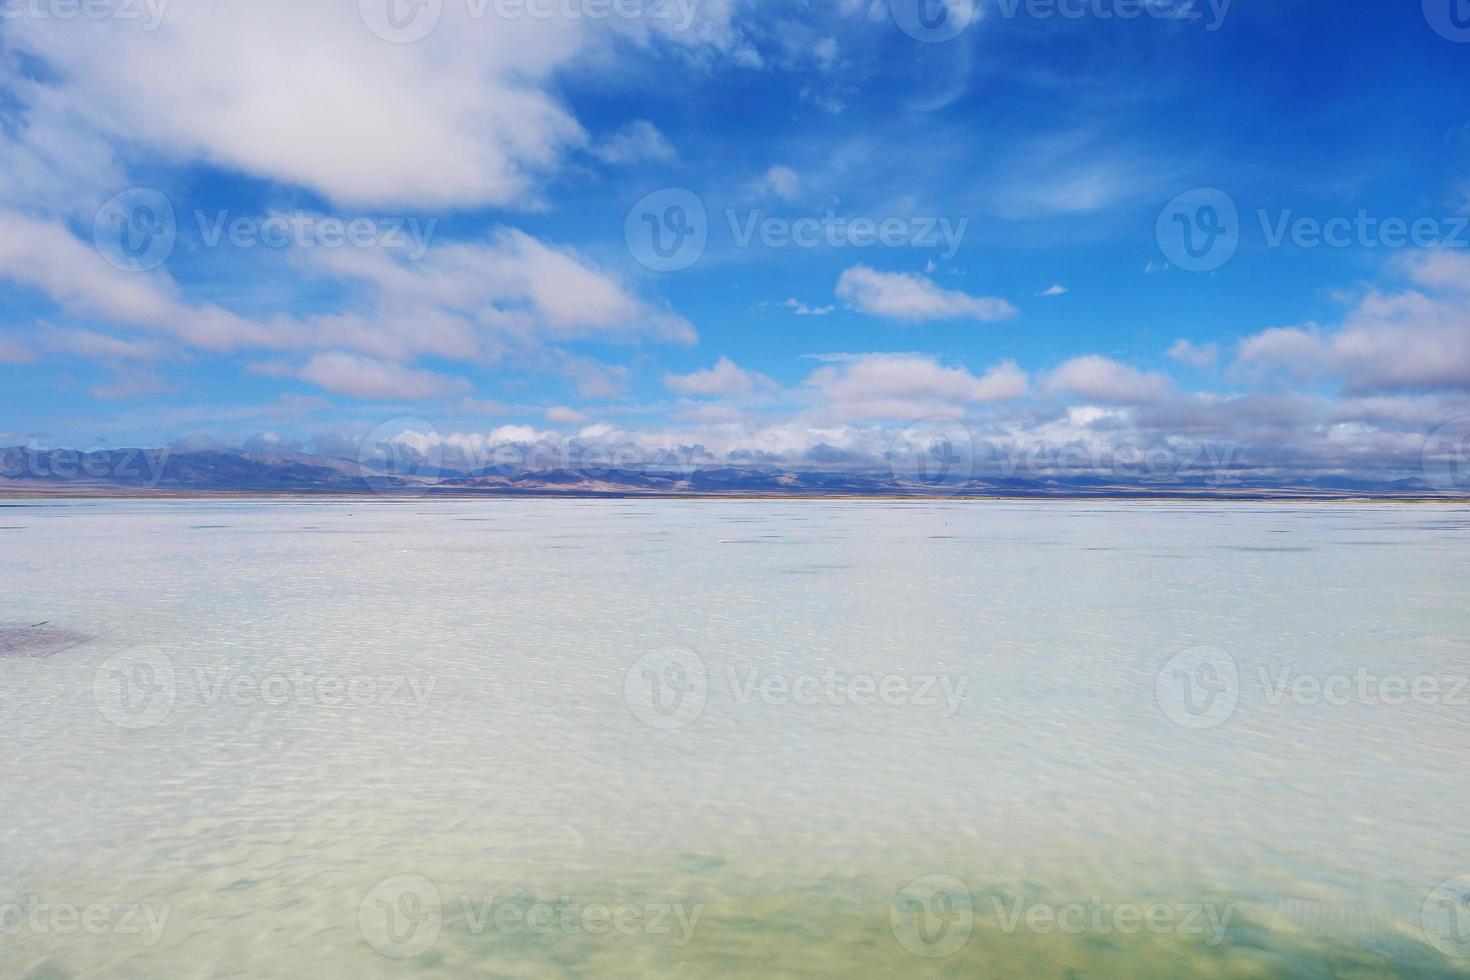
(501, 159)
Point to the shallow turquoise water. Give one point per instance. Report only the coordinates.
(537, 738)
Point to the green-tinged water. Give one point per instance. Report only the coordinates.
(369, 739)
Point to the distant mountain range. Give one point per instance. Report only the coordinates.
(139, 472)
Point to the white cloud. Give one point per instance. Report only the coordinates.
(306, 94)
(363, 377)
(1056, 289)
(45, 256)
(781, 181)
(637, 142)
(914, 298)
(1105, 380)
(593, 379)
(909, 386)
(467, 301)
(12, 351)
(562, 415)
(725, 378)
(801, 309)
(1195, 355)
(825, 51)
(470, 405)
(514, 286)
(91, 344)
(130, 383)
(1417, 338)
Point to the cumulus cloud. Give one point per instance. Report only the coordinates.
(1105, 380)
(363, 377)
(1195, 355)
(725, 378)
(12, 351)
(914, 298)
(91, 344)
(46, 256)
(909, 386)
(801, 309)
(130, 383)
(638, 142)
(307, 94)
(781, 181)
(466, 301)
(1413, 339)
(593, 379)
(562, 415)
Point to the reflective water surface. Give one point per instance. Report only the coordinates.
(376, 738)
